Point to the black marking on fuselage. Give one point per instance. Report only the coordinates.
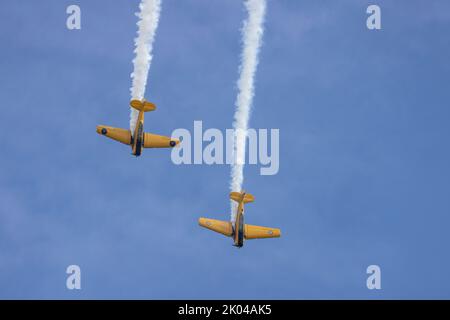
(139, 139)
(240, 231)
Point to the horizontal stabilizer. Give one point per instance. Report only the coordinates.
(237, 196)
(257, 232)
(156, 141)
(142, 105)
(223, 227)
(118, 134)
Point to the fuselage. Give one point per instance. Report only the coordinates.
(239, 225)
(137, 139)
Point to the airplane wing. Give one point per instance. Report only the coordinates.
(257, 232)
(118, 134)
(223, 227)
(155, 141)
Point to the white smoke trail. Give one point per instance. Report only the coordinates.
(147, 25)
(252, 32)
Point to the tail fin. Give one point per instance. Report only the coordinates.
(237, 196)
(142, 105)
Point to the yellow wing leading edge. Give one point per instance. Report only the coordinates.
(156, 141)
(223, 227)
(118, 134)
(258, 232)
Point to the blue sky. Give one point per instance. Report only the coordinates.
(364, 158)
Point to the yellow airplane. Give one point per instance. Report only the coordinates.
(139, 139)
(239, 231)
